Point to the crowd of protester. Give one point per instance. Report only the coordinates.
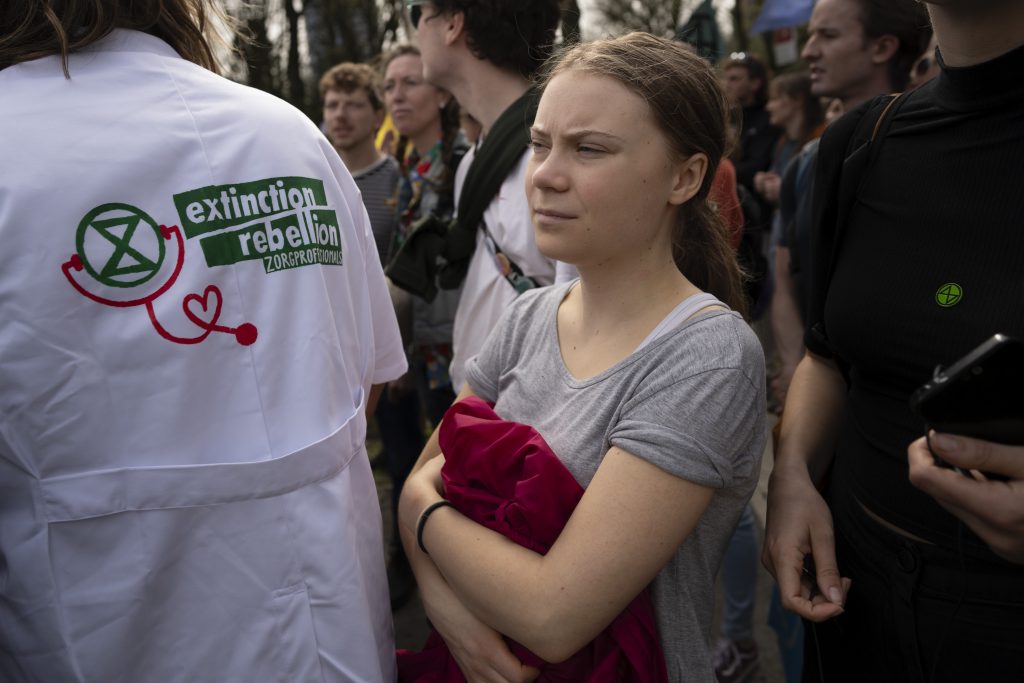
(573, 289)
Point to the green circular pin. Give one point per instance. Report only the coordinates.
(949, 294)
(109, 235)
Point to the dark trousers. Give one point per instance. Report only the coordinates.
(434, 400)
(916, 612)
(401, 435)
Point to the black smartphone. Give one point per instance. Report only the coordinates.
(981, 395)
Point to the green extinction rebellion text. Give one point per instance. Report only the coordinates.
(285, 222)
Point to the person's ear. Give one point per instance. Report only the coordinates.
(884, 49)
(455, 27)
(688, 178)
(442, 97)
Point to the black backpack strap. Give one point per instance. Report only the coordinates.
(495, 158)
(858, 158)
(847, 151)
(438, 254)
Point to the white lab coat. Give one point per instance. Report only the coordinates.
(184, 489)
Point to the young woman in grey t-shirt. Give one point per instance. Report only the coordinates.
(647, 387)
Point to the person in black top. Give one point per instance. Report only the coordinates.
(936, 559)
(745, 81)
(746, 84)
(857, 50)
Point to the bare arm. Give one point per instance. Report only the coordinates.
(479, 650)
(814, 407)
(799, 521)
(371, 402)
(631, 520)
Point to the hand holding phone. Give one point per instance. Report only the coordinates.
(993, 510)
(980, 396)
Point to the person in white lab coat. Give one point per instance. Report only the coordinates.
(192, 320)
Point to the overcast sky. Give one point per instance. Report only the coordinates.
(591, 19)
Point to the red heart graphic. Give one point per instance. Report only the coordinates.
(202, 315)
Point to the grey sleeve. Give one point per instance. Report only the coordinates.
(702, 428)
(504, 344)
(484, 369)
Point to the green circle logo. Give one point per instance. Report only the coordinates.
(114, 250)
(949, 294)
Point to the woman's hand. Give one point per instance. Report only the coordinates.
(480, 651)
(800, 524)
(994, 510)
(768, 184)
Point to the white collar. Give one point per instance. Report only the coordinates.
(128, 40)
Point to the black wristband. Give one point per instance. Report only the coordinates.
(422, 523)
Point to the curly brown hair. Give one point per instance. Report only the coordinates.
(349, 77)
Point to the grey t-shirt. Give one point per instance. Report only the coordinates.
(377, 185)
(692, 402)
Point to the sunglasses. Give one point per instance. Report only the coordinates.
(415, 11)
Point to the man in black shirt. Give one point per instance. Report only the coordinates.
(857, 49)
(745, 82)
(935, 558)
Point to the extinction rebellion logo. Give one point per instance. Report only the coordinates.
(125, 259)
(283, 222)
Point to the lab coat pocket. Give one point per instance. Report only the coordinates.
(299, 660)
(189, 573)
(184, 595)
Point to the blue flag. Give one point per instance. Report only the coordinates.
(782, 14)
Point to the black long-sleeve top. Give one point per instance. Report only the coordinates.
(757, 143)
(930, 264)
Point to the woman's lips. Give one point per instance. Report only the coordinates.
(549, 216)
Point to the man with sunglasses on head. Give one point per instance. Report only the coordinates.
(484, 53)
(745, 80)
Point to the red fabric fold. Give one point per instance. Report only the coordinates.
(504, 476)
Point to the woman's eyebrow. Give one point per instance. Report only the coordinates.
(577, 134)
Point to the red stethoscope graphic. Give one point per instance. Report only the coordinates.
(195, 306)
